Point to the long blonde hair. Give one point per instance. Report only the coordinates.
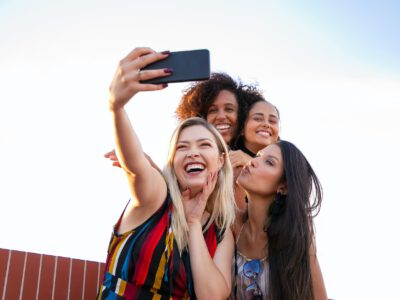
(221, 201)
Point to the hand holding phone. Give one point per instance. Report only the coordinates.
(192, 65)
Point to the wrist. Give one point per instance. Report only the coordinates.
(113, 107)
(194, 224)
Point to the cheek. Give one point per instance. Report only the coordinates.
(176, 162)
(249, 129)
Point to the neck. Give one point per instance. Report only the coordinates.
(258, 207)
(250, 149)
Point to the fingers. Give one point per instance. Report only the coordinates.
(137, 52)
(131, 75)
(186, 194)
(110, 153)
(116, 164)
(238, 158)
(209, 185)
(142, 57)
(150, 74)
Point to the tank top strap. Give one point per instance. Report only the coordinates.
(116, 226)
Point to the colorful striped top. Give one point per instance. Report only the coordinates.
(145, 263)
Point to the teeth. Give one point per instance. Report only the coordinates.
(222, 126)
(264, 133)
(194, 166)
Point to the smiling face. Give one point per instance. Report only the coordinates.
(262, 126)
(196, 156)
(263, 174)
(223, 114)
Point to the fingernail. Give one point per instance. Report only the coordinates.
(168, 70)
(166, 52)
(164, 85)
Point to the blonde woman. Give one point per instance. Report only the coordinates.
(173, 238)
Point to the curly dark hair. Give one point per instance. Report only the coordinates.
(198, 98)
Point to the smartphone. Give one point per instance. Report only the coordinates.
(192, 65)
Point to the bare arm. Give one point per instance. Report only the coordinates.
(316, 276)
(212, 277)
(126, 83)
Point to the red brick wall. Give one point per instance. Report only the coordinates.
(25, 275)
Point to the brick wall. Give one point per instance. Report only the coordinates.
(25, 275)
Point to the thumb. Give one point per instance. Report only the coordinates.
(186, 194)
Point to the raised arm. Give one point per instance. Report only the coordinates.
(126, 83)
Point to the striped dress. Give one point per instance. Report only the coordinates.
(144, 263)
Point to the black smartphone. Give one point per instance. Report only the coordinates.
(192, 65)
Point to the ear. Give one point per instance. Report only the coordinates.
(282, 188)
(221, 161)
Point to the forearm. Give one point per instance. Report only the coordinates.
(209, 282)
(130, 153)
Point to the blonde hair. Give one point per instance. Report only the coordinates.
(221, 201)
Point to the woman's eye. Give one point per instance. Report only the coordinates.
(180, 147)
(212, 111)
(257, 119)
(269, 162)
(273, 121)
(205, 145)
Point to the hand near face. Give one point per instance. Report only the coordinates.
(126, 82)
(238, 158)
(195, 205)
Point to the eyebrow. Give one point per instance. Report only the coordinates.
(260, 153)
(198, 141)
(273, 157)
(262, 114)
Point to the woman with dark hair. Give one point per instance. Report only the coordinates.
(260, 129)
(275, 255)
(239, 112)
(217, 100)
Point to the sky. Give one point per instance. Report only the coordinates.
(332, 68)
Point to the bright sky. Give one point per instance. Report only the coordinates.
(332, 68)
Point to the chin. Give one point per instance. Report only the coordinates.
(198, 185)
(192, 183)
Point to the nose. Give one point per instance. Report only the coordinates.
(265, 124)
(220, 114)
(192, 153)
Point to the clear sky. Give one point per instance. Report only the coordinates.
(332, 69)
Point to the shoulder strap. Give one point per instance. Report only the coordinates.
(116, 227)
